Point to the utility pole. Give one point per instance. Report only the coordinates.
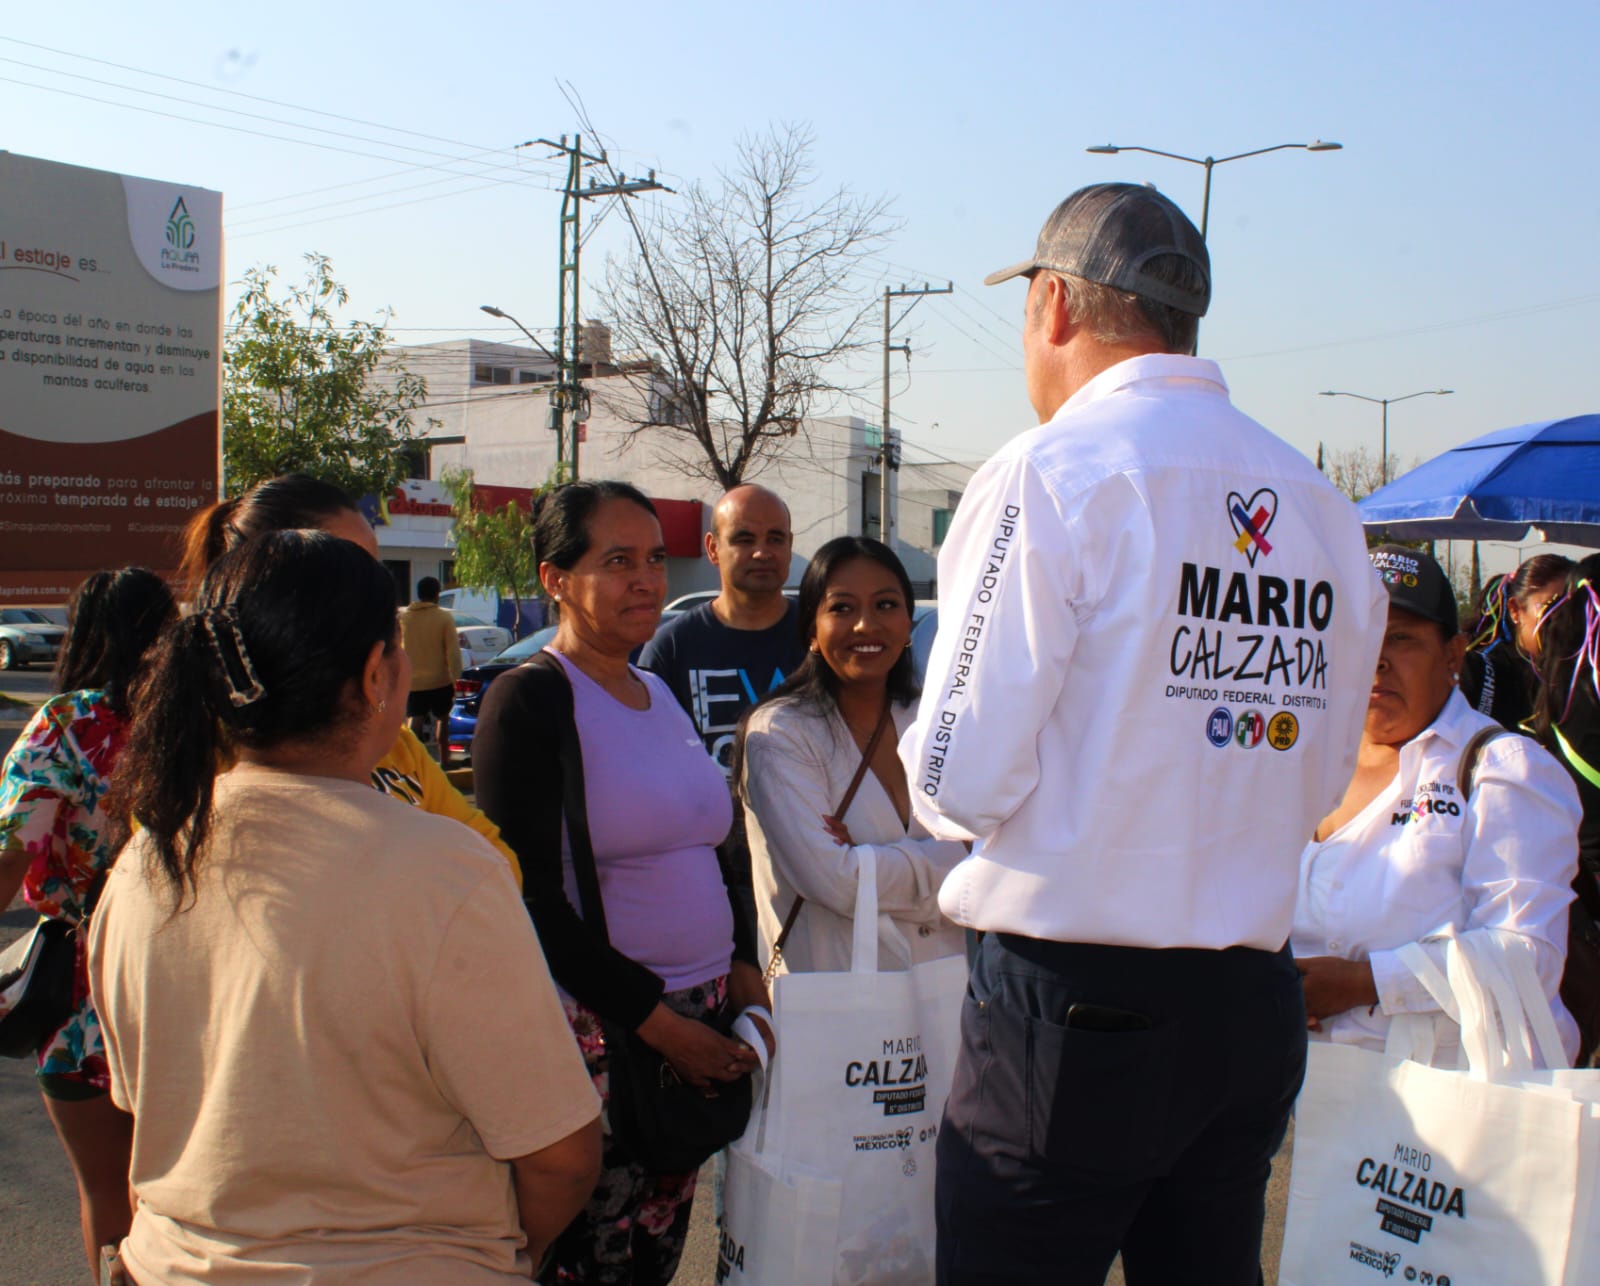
(569, 400)
(888, 453)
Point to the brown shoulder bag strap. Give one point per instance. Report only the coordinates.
(884, 720)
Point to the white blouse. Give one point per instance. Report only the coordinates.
(797, 764)
(1420, 860)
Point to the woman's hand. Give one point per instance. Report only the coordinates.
(838, 832)
(747, 988)
(698, 1055)
(1333, 985)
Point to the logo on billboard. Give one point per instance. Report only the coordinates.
(179, 254)
(180, 227)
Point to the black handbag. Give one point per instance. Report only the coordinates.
(664, 1124)
(36, 987)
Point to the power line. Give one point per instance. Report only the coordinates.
(961, 290)
(999, 339)
(242, 129)
(376, 209)
(256, 116)
(352, 183)
(329, 205)
(1459, 324)
(234, 93)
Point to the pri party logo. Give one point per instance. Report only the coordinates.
(1251, 520)
(1249, 728)
(180, 230)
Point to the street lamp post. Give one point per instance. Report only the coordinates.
(1211, 162)
(505, 316)
(567, 466)
(1384, 402)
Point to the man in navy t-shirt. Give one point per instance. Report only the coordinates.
(722, 657)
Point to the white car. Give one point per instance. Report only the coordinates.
(28, 637)
(479, 640)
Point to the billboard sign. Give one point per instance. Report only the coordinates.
(110, 371)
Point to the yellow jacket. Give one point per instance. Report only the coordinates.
(428, 633)
(410, 773)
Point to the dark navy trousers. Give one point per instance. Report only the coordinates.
(1061, 1146)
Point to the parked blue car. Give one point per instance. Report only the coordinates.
(473, 683)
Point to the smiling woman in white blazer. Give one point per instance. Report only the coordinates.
(797, 753)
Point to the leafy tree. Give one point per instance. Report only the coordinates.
(494, 547)
(744, 299)
(300, 392)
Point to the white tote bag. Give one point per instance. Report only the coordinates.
(780, 1219)
(1419, 1174)
(862, 1070)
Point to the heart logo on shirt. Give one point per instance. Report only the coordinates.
(1251, 520)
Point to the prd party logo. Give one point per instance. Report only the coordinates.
(180, 227)
(1249, 728)
(1251, 520)
(1283, 730)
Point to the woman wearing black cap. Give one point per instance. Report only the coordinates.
(1439, 829)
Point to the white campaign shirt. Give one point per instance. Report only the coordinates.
(1420, 860)
(1157, 630)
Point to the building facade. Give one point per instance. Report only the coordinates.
(490, 412)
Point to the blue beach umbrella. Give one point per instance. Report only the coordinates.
(1544, 475)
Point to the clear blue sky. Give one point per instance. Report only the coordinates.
(1450, 244)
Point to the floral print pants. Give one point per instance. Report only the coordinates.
(632, 1231)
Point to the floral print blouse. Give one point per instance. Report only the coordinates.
(51, 791)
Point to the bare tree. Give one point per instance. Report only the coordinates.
(744, 299)
(1358, 472)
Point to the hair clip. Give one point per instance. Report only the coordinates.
(238, 694)
(1548, 610)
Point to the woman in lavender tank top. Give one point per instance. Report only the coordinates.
(657, 807)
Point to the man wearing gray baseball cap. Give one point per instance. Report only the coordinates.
(1157, 628)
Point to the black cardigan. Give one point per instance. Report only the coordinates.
(517, 778)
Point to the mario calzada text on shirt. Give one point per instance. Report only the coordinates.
(1235, 644)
